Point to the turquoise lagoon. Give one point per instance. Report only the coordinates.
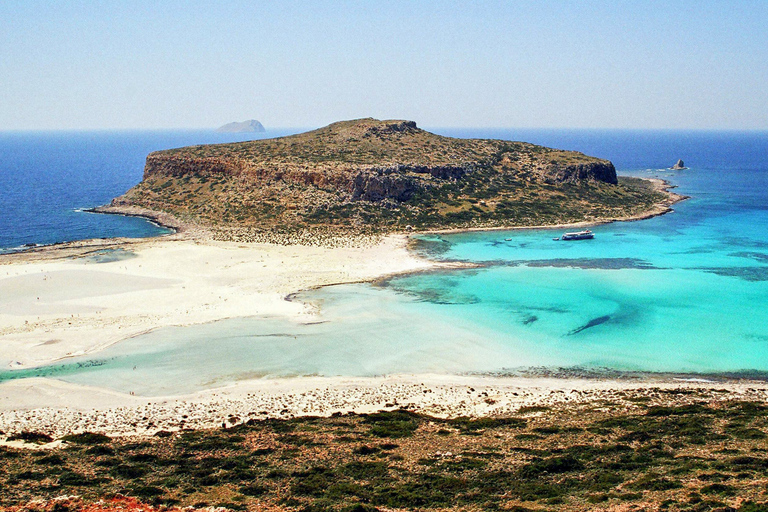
(682, 293)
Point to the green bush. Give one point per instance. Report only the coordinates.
(87, 438)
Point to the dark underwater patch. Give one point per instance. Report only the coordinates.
(56, 370)
(591, 263)
(592, 323)
(705, 249)
(109, 256)
(754, 274)
(443, 296)
(431, 246)
(739, 241)
(757, 256)
(550, 309)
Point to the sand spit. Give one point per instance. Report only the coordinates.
(58, 408)
(78, 298)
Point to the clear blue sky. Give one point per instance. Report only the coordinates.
(191, 64)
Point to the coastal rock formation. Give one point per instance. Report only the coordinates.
(251, 125)
(597, 171)
(380, 176)
(678, 166)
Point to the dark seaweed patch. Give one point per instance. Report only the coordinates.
(52, 370)
(594, 263)
(592, 323)
(755, 274)
(431, 246)
(757, 256)
(445, 297)
(109, 256)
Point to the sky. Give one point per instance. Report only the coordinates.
(515, 64)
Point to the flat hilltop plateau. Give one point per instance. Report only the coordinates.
(368, 176)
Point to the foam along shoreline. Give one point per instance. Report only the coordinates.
(161, 219)
(59, 302)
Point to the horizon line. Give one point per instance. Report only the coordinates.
(424, 127)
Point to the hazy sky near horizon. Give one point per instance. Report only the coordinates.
(536, 64)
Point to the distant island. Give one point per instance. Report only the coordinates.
(370, 176)
(251, 125)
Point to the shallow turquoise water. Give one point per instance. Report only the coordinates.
(684, 292)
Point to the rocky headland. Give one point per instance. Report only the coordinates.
(371, 177)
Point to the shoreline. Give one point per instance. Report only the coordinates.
(58, 408)
(657, 210)
(183, 278)
(198, 232)
(79, 298)
(161, 219)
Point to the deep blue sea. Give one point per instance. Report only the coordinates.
(47, 179)
(685, 292)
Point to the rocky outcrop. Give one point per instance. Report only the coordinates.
(369, 182)
(370, 186)
(591, 171)
(678, 166)
(160, 164)
(400, 182)
(397, 182)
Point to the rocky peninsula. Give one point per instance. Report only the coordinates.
(368, 176)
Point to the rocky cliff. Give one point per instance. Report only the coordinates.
(379, 175)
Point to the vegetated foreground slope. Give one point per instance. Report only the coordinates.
(380, 176)
(655, 449)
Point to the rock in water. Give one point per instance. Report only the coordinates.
(679, 165)
(243, 127)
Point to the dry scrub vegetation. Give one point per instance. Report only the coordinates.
(648, 449)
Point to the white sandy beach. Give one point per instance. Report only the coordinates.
(52, 308)
(62, 302)
(58, 408)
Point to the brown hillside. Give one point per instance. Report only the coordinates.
(378, 176)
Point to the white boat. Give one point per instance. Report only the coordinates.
(578, 235)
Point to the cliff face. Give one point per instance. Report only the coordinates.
(372, 160)
(369, 172)
(596, 171)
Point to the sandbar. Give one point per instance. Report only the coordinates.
(78, 299)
